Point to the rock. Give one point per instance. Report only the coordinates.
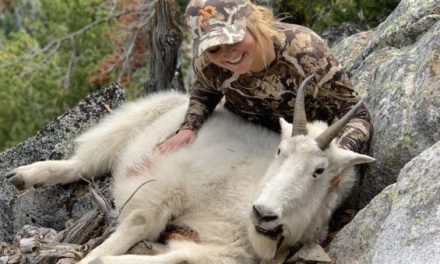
(310, 253)
(349, 48)
(52, 206)
(397, 66)
(402, 28)
(334, 34)
(401, 224)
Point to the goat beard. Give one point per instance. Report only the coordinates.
(266, 243)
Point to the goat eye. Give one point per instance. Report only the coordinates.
(278, 152)
(317, 172)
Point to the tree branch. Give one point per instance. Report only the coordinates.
(54, 45)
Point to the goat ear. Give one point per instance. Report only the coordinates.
(286, 128)
(347, 158)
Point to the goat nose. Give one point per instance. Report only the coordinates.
(263, 214)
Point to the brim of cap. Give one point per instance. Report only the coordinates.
(219, 36)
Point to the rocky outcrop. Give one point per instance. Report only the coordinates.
(52, 206)
(336, 33)
(397, 66)
(401, 224)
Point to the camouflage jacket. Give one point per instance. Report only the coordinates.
(263, 97)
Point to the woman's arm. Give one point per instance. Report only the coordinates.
(201, 104)
(182, 137)
(337, 96)
(333, 94)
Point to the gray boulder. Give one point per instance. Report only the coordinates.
(401, 224)
(336, 33)
(52, 206)
(397, 66)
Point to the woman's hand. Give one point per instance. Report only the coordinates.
(183, 137)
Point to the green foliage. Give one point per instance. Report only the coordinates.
(320, 14)
(299, 12)
(8, 24)
(376, 11)
(36, 84)
(179, 8)
(20, 104)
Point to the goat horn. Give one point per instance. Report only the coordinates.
(299, 115)
(327, 136)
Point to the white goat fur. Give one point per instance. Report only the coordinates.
(209, 186)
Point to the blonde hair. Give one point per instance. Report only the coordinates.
(261, 25)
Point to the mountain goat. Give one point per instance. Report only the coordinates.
(248, 192)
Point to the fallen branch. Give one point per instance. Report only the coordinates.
(34, 247)
(9, 254)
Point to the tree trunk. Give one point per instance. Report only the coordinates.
(165, 42)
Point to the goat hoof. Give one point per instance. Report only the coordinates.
(17, 181)
(9, 174)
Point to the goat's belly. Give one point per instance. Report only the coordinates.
(214, 232)
(220, 213)
(219, 201)
(214, 178)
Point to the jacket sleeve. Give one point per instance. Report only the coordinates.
(203, 100)
(332, 94)
(357, 132)
(336, 95)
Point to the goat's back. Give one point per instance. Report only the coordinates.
(229, 153)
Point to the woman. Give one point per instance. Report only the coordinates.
(256, 63)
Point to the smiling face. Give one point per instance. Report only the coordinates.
(241, 57)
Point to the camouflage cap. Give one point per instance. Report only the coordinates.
(216, 22)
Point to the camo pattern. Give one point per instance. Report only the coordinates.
(215, 22)
(265, 96)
